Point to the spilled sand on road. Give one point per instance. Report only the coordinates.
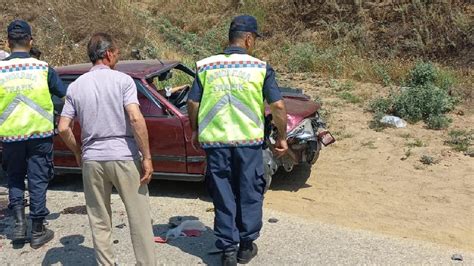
(375, 181)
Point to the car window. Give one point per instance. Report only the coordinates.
(178, 78)
(178, 83)
(149, 106)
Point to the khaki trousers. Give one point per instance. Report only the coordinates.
(99, 177)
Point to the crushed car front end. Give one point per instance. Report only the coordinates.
(306, 135)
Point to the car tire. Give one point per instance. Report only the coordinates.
(268, 182)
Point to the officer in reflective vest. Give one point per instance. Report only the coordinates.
(26, 131)
(226, 110)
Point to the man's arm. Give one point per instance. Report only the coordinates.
(194, 99)
(55, 84)
(140, 133)
(278, 110)
(65, 131)
(193, 109)
(272, 94)
(66, 124)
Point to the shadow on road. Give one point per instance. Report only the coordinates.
(71, 253)
(201, 247)
(293, 181)
(157, 188)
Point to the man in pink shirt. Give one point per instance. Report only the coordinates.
(113, 135)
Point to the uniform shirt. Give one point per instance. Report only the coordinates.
(271, 92)
(55, 84)
(98, 99)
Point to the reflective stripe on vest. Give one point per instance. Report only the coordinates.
(26, 109)
(231, 111)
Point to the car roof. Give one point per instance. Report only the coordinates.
(134, 68)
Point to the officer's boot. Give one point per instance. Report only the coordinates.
(19, 231)
(247, 251)
(229, 258)
(40, 235)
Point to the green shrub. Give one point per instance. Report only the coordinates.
(375, 123)
(349, 97)
(302, 57)
(422, 73)
(429, 160)
(420, 102)
(383, 75)
(422, 99)
(460, 140)
(438, 122)
(445, 79)
(381, 105)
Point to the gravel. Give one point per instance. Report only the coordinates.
(289, 241)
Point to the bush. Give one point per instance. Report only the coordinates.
(302, 57)
(349, 97)
(422, 99)
(445, 79)
(438, 122)
(422, 74)
(460, 140)
(421, 102)
(381, 105)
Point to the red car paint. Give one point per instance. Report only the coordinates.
(169, 129)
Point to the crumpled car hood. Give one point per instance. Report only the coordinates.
(297, 108)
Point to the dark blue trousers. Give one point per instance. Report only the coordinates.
(236, 185)
(32, 159)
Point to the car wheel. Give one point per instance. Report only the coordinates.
(268, 182)
(313, 152)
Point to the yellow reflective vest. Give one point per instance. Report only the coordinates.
(26, 109)
(231, 111)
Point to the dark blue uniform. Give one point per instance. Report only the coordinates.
(235, 177)
(32, 158)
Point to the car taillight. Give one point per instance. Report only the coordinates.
(326, 138)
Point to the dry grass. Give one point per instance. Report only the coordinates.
(370, 41)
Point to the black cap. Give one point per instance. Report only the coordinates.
(244, 23)
(19, 29)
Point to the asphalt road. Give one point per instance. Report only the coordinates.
(291, 240)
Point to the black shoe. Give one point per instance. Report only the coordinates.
(229, 258)
(247, 251)
(40, 235)
(19, 231)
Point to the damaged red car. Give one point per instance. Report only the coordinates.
(163, 87)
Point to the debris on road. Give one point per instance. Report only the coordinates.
(190, 226)
(159, 239)
(116, 241)
(121, 226)
(457, 257)
(81, 209)
(210, 210)
(273, 220)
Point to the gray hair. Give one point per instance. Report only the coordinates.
(98, 45)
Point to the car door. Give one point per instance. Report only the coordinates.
(63, 157)
(165, 134)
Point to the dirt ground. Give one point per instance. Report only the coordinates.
(366, 181)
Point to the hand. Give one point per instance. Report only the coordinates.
(147, 171)
(195, 140)
(78, 159)
(281, 147)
